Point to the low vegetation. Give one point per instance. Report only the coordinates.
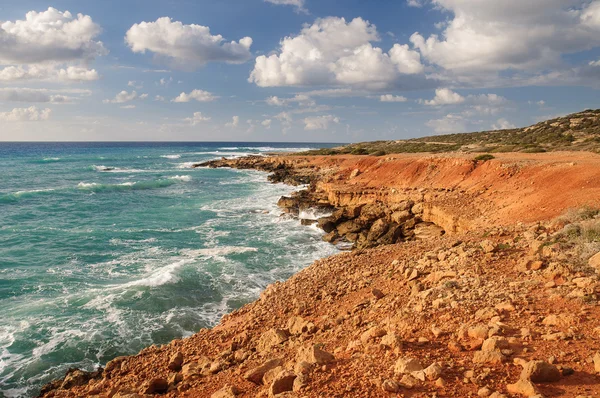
(576, 132)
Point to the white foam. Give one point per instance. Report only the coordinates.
(87, 185)
(181, 178)
(187, 165)
(313, 214)
(218, 251)
(21, 193)
(171, 156)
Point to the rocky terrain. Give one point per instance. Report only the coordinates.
(469, 278)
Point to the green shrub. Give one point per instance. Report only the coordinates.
(484, 158)
(378, 153)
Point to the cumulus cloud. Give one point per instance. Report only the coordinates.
(320, 122)
(123, 96)
(335, 52)
(392, 98)
(487, 36)
(444, 96)
(503, 124)
(18, 94)
(300, 99)
(196, 119)
(449, 124)
(198, 95)
(49, 36)
(25, 114)
(266, 123)
(235, 121)
(135, 84)
(186, 45)
(47, 73)
(299, 4)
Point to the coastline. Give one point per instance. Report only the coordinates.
(356, 306)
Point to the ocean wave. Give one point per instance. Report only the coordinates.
(110, 169)
(97, 187)
(170, 156)
(187, 165)
(16, 196)
(313, 214)
(218, 251)
(181, 178)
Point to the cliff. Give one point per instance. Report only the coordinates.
(502, 302)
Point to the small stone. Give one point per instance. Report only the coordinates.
(596, 360)
(484, 392)
(282, 383)
(523, 387)
(378, 294)
(391, 341)
(407, 365)
(157, 385)
(494, 343)
(440, 382)
(226, 392)
(176, 361)
(540, 372)
(433, 371)
(488, 246)
(271, 338)
(489, 357)
(256, 375)
(314, 354)
(371, 334)
(390, 386)
(302, 367)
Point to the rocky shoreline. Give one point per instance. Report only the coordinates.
(505, 303)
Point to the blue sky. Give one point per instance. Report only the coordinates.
(291, 70)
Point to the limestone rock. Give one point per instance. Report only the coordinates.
(594, 261)
(314, 355)
(226, 392)
(489, 357)
(378, 229)
(495, 343)
(523, 387)
(391, 340)
(540, 372)
(283, 382)
(271, 338)
(176, 361)
(390, 386)
(407, 365)
(256, 375)
(433, 371)
(157, 385)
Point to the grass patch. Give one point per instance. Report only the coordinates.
(484, 158)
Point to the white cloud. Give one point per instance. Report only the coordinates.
(299, 4)
(444, 96)
(25, 114)
(335, 52)
(488, 36)
(128, 107)
(196, 119)
(503, 124)
(320, 122)
(47, 72)
(235, 121)
(392, 98)
(165, 82)
(143, 96)
(449, 124)
(49, 36)
(186, 45)
(300, 99)
(38, 95)
(595, 63)
(286, 121)
(415, 3)
(266, 123)
(134, 84)
(198, 95)
(123, 96)
(159, 98)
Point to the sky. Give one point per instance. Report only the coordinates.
(291, 70)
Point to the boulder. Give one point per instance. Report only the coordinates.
(158, 385)
(326, 224)
(495, 343)
(378, 229)
(314, 355)
(373, 211)
(256, 375)
(393, 235)
(594, 261)
(400, 217)
(540, 372)
(287, 202)
(297, 325)
(428, 231)
(489, 357)
(350, 226)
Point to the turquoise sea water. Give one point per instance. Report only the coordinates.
(108, 248)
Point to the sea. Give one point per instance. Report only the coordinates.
(107, 248)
